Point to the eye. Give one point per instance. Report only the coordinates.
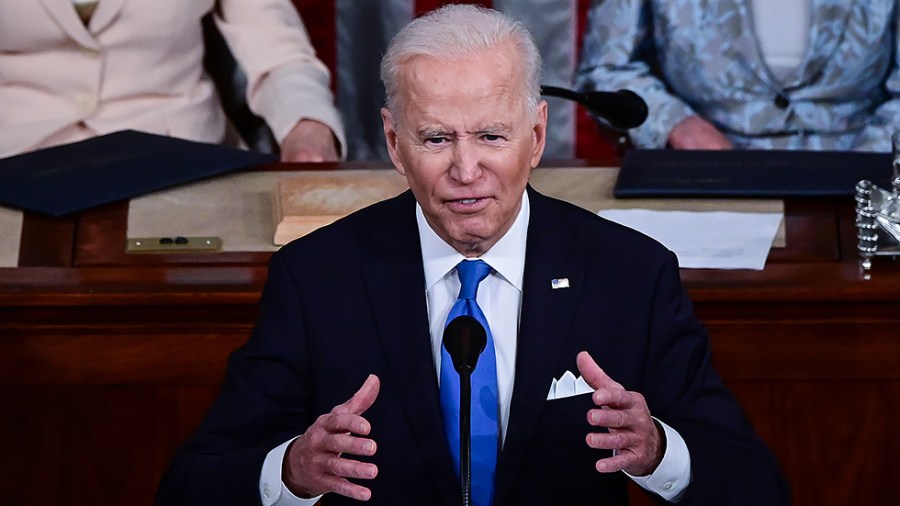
(492, 137)
(435, 141)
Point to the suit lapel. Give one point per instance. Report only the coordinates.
(736, 18)
(107, 10)
(395, 282)
(63, 12)
(546, 318)
(828, 22)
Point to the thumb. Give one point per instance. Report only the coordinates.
(363, 398)
(592, 373)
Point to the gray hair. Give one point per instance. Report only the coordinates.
(455, 31)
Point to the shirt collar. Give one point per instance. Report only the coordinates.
(506, 256)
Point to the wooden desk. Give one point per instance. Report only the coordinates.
(108, 360)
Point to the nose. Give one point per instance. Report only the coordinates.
(466, 162)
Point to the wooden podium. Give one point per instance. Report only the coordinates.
(108, 360)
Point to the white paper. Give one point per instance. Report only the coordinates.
(706, 240)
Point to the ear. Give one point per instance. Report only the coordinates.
(540, 133)
(390, 137)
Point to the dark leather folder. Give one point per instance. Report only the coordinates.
(748, 173)
(121, 165)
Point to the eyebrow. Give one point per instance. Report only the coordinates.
(434, 132)
(497, 128)
(493, 129)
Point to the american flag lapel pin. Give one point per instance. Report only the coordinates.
(557, 283)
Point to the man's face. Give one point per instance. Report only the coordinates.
(466, 143)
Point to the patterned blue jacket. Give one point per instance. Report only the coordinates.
(844, 95)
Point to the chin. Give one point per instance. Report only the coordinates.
(469, 234)
(473, 243)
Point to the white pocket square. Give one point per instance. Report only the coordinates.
(568, 386)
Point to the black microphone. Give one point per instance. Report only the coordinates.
(465, 339)
(622, 109)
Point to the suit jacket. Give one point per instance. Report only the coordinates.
(139, 65)
(349, 300)
(844, 95)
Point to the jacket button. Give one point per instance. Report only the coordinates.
(782, 101)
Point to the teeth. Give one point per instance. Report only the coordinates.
(468, 201)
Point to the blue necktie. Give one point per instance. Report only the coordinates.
(485, 427)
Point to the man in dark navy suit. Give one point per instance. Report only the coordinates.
(598, 370)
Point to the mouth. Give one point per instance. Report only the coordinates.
(467, 205)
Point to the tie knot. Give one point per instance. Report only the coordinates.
(471, 272)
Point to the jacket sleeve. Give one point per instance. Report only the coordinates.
(286, 82)
(876, 136)
(729, 463)
(616, 33)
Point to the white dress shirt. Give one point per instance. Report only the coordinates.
(500, 298)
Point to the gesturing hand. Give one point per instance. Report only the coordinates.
(632, 433)
(315, 463)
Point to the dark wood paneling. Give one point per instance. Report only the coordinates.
(92, 444)
(833, 438)
(47, 241)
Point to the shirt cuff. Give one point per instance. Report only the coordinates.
(673, 475)
(272, 490)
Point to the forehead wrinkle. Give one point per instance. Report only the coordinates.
(471, 116)
(438, 101)
(420, 81)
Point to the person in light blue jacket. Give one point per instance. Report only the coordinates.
(757, 74)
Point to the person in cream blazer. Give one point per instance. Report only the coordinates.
(138, 64)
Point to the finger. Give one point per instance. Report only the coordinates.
(616, 397)
(343, 422)
(362, 399)
(346, 488)
(347, 468)
(609, 441)
(301, 157)
(345, 443)
(611, 418)
(312, 157)
(615, 463)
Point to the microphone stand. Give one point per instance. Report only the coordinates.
(556, 91)
(465, 339)
(465, 434)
